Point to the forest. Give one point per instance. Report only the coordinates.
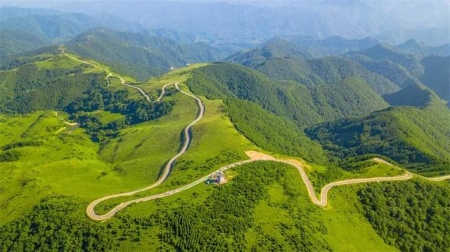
(412, 216)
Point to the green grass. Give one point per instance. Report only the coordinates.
(58, 61)
(106, 116)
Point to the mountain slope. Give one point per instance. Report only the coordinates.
(14, 42)
(324, 71)
(275, 48)
(45, 82)
(139, 54)
(386, 52)
(418, 138)
(415, 95)
(406, 69)
(305, 105)
(437, 75)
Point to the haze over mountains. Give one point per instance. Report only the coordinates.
(154, 104)
(238, 22)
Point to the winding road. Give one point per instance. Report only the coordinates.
(167, 168)
(254, 156)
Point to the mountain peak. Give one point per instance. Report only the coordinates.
(416, 95)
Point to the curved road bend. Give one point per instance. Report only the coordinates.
(90, 209)
(163, 90)
(322, 202)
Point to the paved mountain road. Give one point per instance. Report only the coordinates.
(187, 140)
(323, 196)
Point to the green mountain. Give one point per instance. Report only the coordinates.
(416, 95)
(305, 105)
(324, 71)
(51, 26)
(275, 48)
(413, 47)
(45, 82)
(331, 46)
(437, 75)
(389, 53)
(14, 42)
(394, 72)
(139, 54)
(416, 136)
(406, 69)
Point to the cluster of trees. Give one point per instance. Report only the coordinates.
(118, 101)
(412, 216)
(54, 226)
(22, 144)
(229, 212)
(115, 101)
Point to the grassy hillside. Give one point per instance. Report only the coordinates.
(305, 106)
(41, 154)
(51, 169)
(277, 215)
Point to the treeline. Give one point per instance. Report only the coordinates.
(412, 216)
